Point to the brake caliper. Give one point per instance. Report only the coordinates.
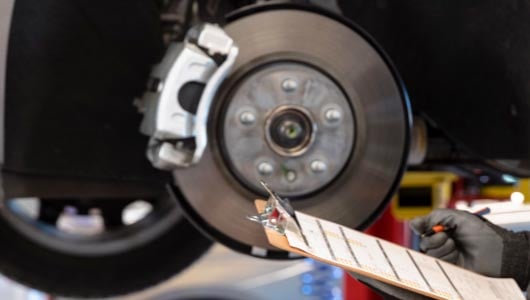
(178, 133)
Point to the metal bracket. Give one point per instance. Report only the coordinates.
(275, 216)
(278, 214)
(178, 136)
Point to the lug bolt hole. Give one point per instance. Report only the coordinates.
(290, 175)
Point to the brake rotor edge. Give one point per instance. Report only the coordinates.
(255, 244)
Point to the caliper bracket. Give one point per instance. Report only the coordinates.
(178, 136)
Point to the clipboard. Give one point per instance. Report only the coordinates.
(280, 224)
(280, 241)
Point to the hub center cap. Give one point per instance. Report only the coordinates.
(290, 130)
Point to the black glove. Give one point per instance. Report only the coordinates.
(476, 244)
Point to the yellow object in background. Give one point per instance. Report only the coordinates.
(498, 191)
(524, 187)
(505, 191)
(420, 192)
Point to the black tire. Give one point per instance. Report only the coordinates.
(74, 70)
(55, 272)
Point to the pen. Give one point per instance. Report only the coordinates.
(481, 212)
(442, 228)
(436, 229)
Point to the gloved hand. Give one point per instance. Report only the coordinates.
(476, 244)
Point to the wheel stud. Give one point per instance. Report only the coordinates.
(318, 166)
(247, 118)
(333, 115)
(289, 85)
(265, 168)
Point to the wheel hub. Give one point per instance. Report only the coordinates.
(302, 134)
(289, 131)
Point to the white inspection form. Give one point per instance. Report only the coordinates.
(394, 264)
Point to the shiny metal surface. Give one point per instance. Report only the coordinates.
(207, 97)
(290, 130)
(418, 143)
(218, 202)
(166, 121)
(275, 92)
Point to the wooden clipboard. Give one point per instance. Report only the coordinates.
(281, 242)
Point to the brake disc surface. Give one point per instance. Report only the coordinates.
(313, 107)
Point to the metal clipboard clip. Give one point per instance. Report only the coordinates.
(278, 214)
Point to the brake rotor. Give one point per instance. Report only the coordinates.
(312, 107)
